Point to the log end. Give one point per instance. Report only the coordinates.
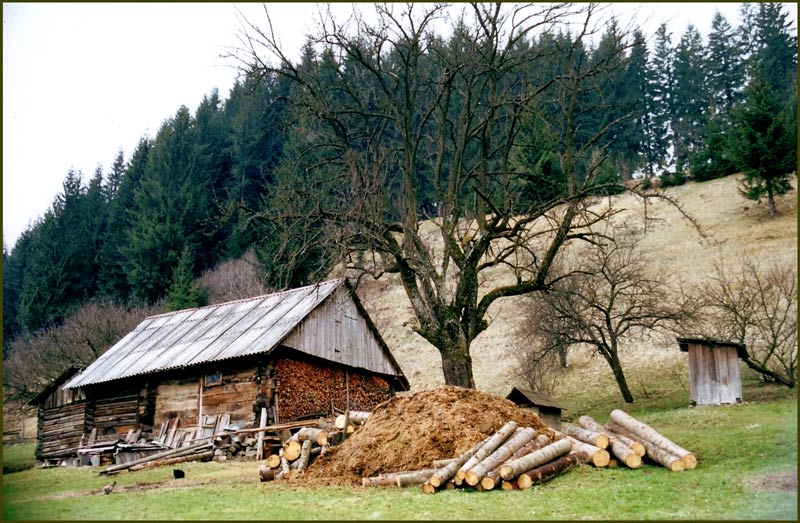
(601, 441)
(639, 449)
(428, 488)
(689, 461)
(488, 483)
(472, 478)
(524, 481)
(676, 466)
(601, 458)
(509, 485)
(633, 461)
(435, 481)
(506, 472)
(274, 461)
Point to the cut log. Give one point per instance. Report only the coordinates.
(547, 472)
(305, 455)
(509, 485)
(514, 468)
(292, 449)
(166, 454)
(501, 454)
(587, 453)
(441, 463)
(615, 431)
(592, 437)
(356, 417)
(446, 473)
(649, 434)
(427, 488)
(589, 423)
(653, 452)
(266, 473)
(491, 480)
(494, 441)
(193, 456)
(274, 461)
(400, 479)
(316, 435)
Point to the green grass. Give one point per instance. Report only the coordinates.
(738, 448)
(18, 457)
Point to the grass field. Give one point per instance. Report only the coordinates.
(747, 470)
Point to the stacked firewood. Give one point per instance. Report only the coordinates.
(518, 457)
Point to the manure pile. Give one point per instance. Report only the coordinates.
(409, 432)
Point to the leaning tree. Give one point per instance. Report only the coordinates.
(396, 121)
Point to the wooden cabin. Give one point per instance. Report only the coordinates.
(548, 409)
(64, 415)
(714, 376)
(299, 353)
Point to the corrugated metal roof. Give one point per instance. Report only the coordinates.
(207, 334)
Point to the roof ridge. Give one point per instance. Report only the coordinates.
(338, 281)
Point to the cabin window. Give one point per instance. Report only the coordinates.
(212, 379)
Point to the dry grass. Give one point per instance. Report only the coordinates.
(732, 226)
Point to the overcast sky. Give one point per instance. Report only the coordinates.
(82, 81)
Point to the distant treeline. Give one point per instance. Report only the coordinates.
(204, 189)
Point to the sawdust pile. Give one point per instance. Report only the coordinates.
(408, 433)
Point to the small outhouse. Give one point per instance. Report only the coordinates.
(714, 376)
(548, 409)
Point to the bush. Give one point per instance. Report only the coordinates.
(668, 179)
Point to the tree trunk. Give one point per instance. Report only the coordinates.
(457, 365)
(547, 472)
(619, 376)
(318, 436)
(266, 473)
(773, 210)
(516, 441)
(514, 468)
(494, 441)
(649, 434)
(353, 417)
(621, 447)
(589, 453)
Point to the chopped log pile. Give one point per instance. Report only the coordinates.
(415, 440)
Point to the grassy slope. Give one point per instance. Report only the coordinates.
(743, 452)
(732, 225)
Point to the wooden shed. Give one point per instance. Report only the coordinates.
(64, 415)
(543, 404)
(714, 376)
(299, 353)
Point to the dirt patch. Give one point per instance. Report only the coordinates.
(409, 432)
(777, 481)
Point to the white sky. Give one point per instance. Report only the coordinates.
(82, 81)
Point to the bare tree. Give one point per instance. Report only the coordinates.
(395, 100)
(755, 304)
(607, 299)
(36, 359)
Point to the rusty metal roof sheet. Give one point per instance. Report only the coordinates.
(207, 334)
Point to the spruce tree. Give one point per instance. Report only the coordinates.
(662, 101)
(690, 101)
(183, 293)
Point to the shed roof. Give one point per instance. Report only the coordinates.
(541, 399)
(215, 333)
(741, 349)
(53, 385)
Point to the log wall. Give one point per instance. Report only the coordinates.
(20, 422)
(235, 396)
(307, 387)
(61, 428)
(178, 397)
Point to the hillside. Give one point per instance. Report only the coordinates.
(732, 227)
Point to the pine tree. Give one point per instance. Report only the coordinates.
(183, 293)
(763, 142)
(724, 65)
(690, 100)
(662, 101)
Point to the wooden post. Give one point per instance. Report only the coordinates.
(260, 447)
